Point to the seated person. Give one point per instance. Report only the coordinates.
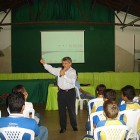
(128, 94)
(16, 105)
(111, 111)
(109, 95)
(83, 94)
(100, 89)
(99, 93)
(28, 105)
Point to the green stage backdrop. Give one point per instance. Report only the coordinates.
(26, 38)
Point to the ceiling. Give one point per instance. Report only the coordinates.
(11, 4)
(128, 6)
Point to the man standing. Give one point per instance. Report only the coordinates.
(66, 93)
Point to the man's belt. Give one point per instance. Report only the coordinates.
(66, 90)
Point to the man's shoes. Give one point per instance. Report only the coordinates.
(62, 130)
(75, 129)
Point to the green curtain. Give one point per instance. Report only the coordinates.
(26, 38)
(62, 10)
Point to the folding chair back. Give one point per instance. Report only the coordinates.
(132, 120)
(112, 132)
(29, 112)
(99, 115)
(96, 103)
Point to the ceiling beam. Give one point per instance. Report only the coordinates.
(130, 23)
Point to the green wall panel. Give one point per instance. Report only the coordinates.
(99, 39)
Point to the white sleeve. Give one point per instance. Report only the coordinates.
(52, 70)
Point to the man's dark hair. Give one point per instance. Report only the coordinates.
(67, 59)
(129, 92)
(110, 94)
(15, 101)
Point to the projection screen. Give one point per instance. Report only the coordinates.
(58, 44)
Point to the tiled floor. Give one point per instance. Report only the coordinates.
(51, 121)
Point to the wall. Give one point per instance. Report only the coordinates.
(124, 46)
(5, 45)
(127, 45)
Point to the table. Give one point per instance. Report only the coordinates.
(37, 89)
(52, 103)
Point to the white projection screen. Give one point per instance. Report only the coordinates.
(58, 44)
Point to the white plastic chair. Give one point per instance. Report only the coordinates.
(96, 102)
(113, 132)
(132, 117)
(16, 133)
(135, 99)
(79, 100)
(101, 117)
(29, 112)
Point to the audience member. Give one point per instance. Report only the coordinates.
(99, 93)
(28, 105)
(109, 95)
(111, 111)
(128, 94)
(16, 105)
(83, 94)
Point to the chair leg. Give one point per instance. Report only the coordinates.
(81, 104)
(76, 107)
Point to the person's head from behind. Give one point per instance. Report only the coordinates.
(128, 93)
(16, 102)
(66, 63)
(100, 90)
(20, 88)
(111, 109)
(109, 94)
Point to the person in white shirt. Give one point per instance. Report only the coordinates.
(66, 77)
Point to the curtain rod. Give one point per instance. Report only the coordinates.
(67, 22)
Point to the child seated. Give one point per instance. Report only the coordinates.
(109, 95)
(111, 111)
(99, 92)
(128, 94)
(100, 89)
